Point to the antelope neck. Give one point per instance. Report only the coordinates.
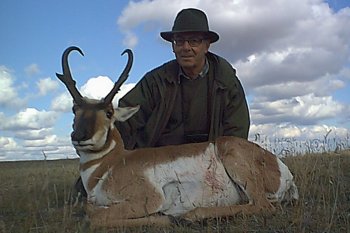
(88, 159)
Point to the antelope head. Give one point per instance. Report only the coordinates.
(94, 119)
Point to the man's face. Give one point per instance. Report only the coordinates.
(190, 49)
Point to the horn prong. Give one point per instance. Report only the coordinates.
(122, 78)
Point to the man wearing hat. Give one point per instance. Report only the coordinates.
(193, 98)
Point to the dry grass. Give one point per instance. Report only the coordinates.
(34, 197)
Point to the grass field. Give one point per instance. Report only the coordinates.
(35, 197)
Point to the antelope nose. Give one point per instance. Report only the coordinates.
(73, 136)
(78, 136)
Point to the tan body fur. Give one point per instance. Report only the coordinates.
(132, 197)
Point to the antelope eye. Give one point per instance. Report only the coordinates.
(109, 114)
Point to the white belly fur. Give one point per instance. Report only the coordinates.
(196, 181)
(287, 190)
(96, 195)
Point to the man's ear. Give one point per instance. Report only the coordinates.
(124, 113)
(207, 45)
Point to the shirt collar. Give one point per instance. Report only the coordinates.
(201, 74)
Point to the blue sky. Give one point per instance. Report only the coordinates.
(292, 57)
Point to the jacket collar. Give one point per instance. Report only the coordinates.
(172, 70)
(221, 77)
(202, 74)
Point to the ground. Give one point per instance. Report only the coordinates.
(35, 196)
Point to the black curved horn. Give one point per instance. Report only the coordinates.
(122, 78)
(66, 77)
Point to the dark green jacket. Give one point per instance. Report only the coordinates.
(156, 93)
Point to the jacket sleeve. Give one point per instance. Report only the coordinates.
(230, 114)
(236, 120)
(129, 130)
(235, 117)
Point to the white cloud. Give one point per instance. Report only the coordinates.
(2, 118)
(45, 141)
(130, 40)
(8, 95)
(34, 134)
(291, 131)
(345, 73)
(301, 40)
(32, 69)
(52, 146)
(297, 64)
(30, 118)
(123, 90)
(62, 103)
(291, 60)
(47, 85)
(149, 15)
(99, 87)
(7, 143)
(286, 139)
(302, 110)
(95, 88)
(323, 86)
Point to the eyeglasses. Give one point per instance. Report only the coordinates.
(193, 42)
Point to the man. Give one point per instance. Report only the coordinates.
(195, 98)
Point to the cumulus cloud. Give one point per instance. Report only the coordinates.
(47, 140)
(99, 87)
(32, 137)
(303, 110)
(287, 139)
(291, 131)
(147, 15)
(291, 61)
(320, 87)
(29, 118)
(301, 40)
(32, 69)
(47, 85)
(295, 64)
(95, 88)
(34, 134)
(7, 143)
(130, 40)
(8, 95)
(62, 103)
(345, 72)
(50, 147)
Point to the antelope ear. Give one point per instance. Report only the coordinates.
(124, 113)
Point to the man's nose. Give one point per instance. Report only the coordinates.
(186, 45)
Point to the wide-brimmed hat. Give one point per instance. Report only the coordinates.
(191, 20)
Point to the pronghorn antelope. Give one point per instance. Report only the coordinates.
(193, 181)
